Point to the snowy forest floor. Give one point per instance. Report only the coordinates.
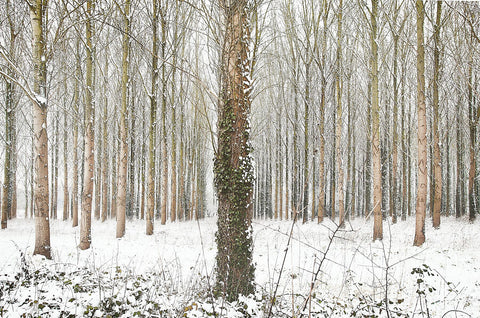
(170, 273)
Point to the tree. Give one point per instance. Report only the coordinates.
(89, 153)
(163, 23)
(377, 167)
(153, 124)
(422, 132)
(322, 66)
(9, 174)
(339, 124)
(233, 163)
(437, 202)
(38, 12)
(123, 155)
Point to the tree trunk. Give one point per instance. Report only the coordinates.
(105, 166)
(55, 169)
(153, 125)
(422, 132)
(306, 172)
(76, 98)
(338, 133)
(393, 201)
(321, 172)
(437, 202)
(164, 118)
(233, 164)
(173, 185)
(377, 167)
(41, 193)
(123, 155)
(472, 209)
(66, 172)
(89, 153)
(8, 205)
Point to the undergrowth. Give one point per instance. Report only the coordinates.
(66, 290)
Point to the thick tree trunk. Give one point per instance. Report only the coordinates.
(233, 164)
(422, 132)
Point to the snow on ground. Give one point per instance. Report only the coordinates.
(354, 268)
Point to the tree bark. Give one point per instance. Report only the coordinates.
(76, 99)
(163, 21)
(233, 164)
(89, 153)
(321, 172)
(377, 167)
(41, 193)
(338, 133)
(153, 125)
(422, 132)
(437, 202)
(123, 155)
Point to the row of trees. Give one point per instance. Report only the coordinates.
(107, 129)
(357, 109)
(337, 123)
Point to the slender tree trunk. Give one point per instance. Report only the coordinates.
(76, 97)
(321, 172)
(55, 169)
(393, 201)
(472, 209)
(9, 174)
(114, 179)
(448, 177)
(377, 167)
(422, 132)
(350, 193)
(295, 181)
(89, 153)
(339, 91)
(305, 146)
(123, 155)
(105, 167)
(66, 172)
(368, 157)
(287, 172)
(437, 202)
(41, 193)
(173, 185)
(278, 196)
(153, 125)
(164, 117)
(181, 190)
(131, 130)
(404, 153)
